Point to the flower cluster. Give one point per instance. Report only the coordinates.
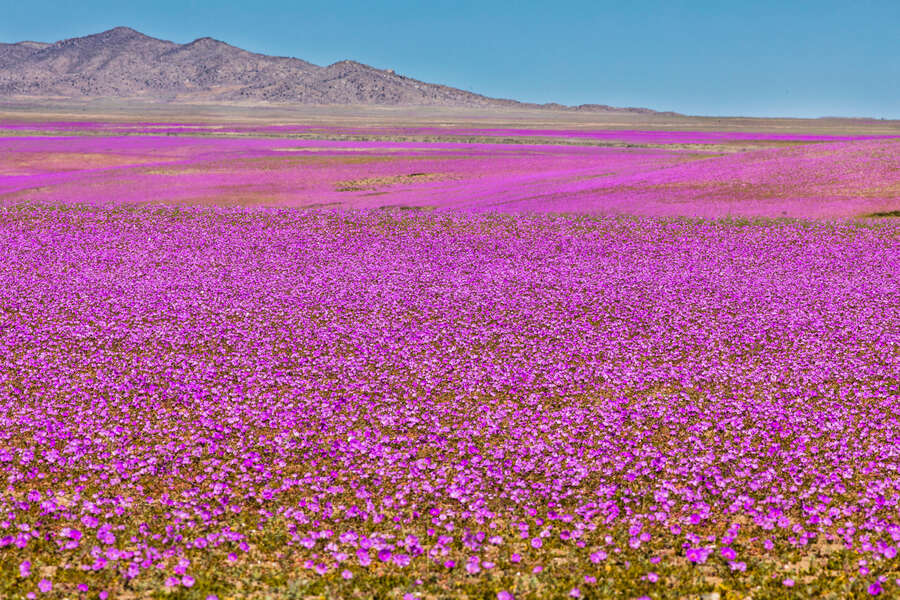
(432, 403)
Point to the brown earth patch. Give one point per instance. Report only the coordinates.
(25, 163)
(372, 183)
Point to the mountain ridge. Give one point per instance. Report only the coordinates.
(125, 63)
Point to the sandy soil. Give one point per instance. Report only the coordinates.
(12, 109)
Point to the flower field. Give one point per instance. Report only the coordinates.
(567, 386)
(647, 173)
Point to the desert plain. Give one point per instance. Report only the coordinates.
(347, 352)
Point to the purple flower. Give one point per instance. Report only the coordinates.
(697, 555)
(402, 560)
(728, 553)
(875, 588)
(45, 585)
(187, 581)
(106, 537)
(25, 568)
(536, 542)
(504, 595)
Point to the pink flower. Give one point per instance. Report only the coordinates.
(187, 581)
(401, 560)
(575, 593)
(697, 555)
(652, 577)
(25, 568)
(536, 542)
(788, 582)
(346, 574)
(598, 556)
(504, 595)
(107, 537)
(875, 589)
(728, 553)
(45, 585)
(515, 557)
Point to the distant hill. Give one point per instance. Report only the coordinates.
(124, 63)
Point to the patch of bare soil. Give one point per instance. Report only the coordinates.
(372, 183)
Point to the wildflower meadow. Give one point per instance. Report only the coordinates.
(251, 364)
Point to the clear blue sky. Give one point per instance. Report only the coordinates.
(716, 57)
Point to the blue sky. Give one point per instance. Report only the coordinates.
(753, 57)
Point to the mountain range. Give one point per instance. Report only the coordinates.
(124, 63)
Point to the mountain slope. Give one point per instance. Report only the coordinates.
(124, 63)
